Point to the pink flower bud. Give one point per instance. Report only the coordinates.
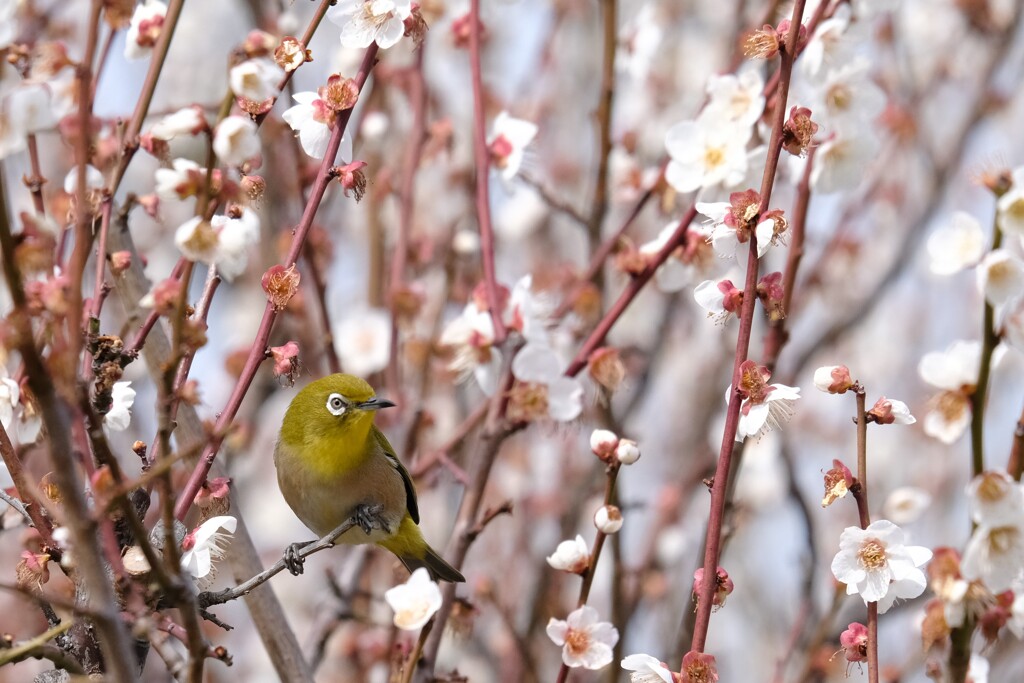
(352, 178)
(120, 261)
(280, 284)
(723, 585)
(888, 411)
(798, 131)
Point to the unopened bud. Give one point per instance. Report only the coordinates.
(833, 379)
(627, 452)
(608, 519)
(603, 443)
(120, 261)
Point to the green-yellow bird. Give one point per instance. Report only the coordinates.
(333, 463)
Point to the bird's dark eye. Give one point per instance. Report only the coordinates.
(336, 404)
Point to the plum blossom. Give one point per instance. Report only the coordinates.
(765, 406)
(720, 299)
(955, 372)
(692, 261)
(414, 601)
(855, 642)
(699, 667)
(1010, 207)
(541, 390)
(849, 97)
(995, 553)
(363, 341)
(119, 416)
(236, 140)
(872, 561)
(205, 545)
(841, 160)
(829, 46)
(93, 179)
(1001, 277)
(571, 556)
(509, 138)
(222, 241)
(977, 669)
(185, 121)
(905, 504)
(364, 21)
(470, 336)
(704, 153)
(586, 642)
(179, 182)
(9, 395)
(608, 519)
(644, 668)
(889, 411)
(26, 109)
(312, 118)
(733, 220)
(957, 245)
(255, 79)
(146, 25)
(735, 98)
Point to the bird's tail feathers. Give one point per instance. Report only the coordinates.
(435, 564)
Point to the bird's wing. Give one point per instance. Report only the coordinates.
(410, 492)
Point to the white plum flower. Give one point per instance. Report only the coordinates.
(585, 640)
(147, 23)
(957, 245)
(977, 669)
(828, 46)
(849, 97)
(179, 181)
(363, 340)
(470, 337)
(995, 498)
(906, 588)
(765, 406)
(93, 179)
(414, 601)
(571, 556)
(255, 79)
(205, 545)
(313, 119)
(703, 154)
(541, 390)
(119, 416)
(737, 99)
(890, 411)
(1001, 277)
(222, 241)
(995, 553)
(870, 560)
(364, 21)
(955, 372)
(236, 140)
(9, 395)
(1010, 207)
(508, 141)
(27, 109)
(905, 504)
(841, 160)
(720, 299)
(730, 221)
(644, 668)
(8, 22)
(185, 121)
(686, 264)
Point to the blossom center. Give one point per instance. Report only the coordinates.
(577, 642)
(839, 97)
(754, 385)
(952, 405)
(528, 401)
(1016, 210)
(872, 554)
(413, 613)
(1002, 539)
(992, 488)
(714, 157)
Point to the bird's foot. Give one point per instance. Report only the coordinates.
(368, 518)
(293, 559)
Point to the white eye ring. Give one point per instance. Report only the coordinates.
(336, 404)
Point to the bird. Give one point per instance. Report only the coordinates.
(333, 464)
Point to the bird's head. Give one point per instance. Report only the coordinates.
(336, 405)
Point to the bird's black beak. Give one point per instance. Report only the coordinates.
(375, 404)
